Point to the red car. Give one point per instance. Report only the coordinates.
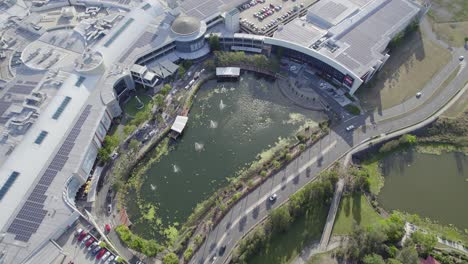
(82, 235)
(101, 253)
(89, 242)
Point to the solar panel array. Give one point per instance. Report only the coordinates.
(31, 215)
(61, 108)
(41, 137)
(7, 185)
(80, 80)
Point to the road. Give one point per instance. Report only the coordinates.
(250, 210)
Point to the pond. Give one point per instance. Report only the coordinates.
(434, 186)
(229, 124)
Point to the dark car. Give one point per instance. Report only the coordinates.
(222, 250)
(96, 250)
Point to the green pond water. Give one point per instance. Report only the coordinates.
(229, 124)
(433, 186)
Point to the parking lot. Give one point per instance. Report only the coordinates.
(263, 16)
(75, 246)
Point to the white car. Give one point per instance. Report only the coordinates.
(85, 239)
(114, 155)
(461, 58)
(349, 128)
(105, 256)
(273, 197)
(418, 94)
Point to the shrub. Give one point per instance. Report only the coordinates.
(148, 247)
(352, 109)
(171, 258)
(188, 253)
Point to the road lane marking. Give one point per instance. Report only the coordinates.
(275, 189)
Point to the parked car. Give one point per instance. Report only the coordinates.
(349, 128)
(93, 245)
(78, 231)
(82, 235)
(110, 259)
(89, 242)
(105, 256)
(96, 250)
(101, 253)
(83, 241)
(109, 209)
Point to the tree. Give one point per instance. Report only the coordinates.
(159, 100)
(210, 65)
(280, 219)
(394, 227)
(171, 258)
(166, 89)
(373, 259)
(425, 242)
(214, 42)
(129, 129)
(104, 154)
(408, 255)
(181, 71)
(188, 253)
(393, 261)
(133, 145)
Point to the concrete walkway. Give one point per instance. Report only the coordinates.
(331, 215)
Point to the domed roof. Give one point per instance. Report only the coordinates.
(185, 25)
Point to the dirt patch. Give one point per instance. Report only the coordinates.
(411, 65)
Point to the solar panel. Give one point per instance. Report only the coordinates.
(8, 183)
(41, 137)
(80, 80)
(61, 108)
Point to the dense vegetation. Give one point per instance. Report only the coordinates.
(260, 61)
(148, 247)
(310, 198)
(380, 243)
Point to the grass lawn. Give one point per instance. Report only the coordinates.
(453, 33)
(449, 10)
(375, 176)
(409, 68)
(285, 247)
(354, 209)
(322, 258)
(460, 106)
(130, 107)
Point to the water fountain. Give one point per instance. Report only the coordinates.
(213, 124)
(199, 146)
(221, 105)
(175, 168)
